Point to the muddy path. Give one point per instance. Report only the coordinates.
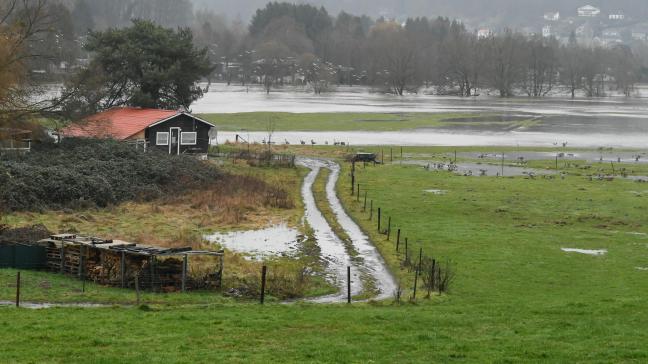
(368, 266)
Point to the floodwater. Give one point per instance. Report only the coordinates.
(605, 156)
(479, 170)
(587, 123)
(277, 240)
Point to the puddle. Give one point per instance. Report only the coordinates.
(277, 240)
(436, 192)
(585, 251)
(480, 170)
(44, 305)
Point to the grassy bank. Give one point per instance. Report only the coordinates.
(259, 121)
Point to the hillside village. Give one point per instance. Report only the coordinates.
(588, 25)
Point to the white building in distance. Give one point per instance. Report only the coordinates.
(552, 16)
(484, 33)
(589, 11)
(618, 15)
(546, 31)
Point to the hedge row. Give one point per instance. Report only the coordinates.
(87, 172)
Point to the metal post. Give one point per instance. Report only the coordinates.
(348, 284)
(18, 290)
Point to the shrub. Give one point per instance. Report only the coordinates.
(82, 172)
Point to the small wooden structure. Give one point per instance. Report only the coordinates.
(118, 263)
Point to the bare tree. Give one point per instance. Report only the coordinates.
(540, 68)
(395, 57)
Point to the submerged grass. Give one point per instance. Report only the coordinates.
(258, 121)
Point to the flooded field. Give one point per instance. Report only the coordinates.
(605, 122)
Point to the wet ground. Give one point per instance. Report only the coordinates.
(44, 305)
(479, 170)
(277, 240)
(588, 156)
(333, 250)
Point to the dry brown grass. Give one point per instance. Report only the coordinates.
(233, 197)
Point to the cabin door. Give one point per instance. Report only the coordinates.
(174, 142)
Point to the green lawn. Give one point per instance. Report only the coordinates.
(516, 298)
(260, 121)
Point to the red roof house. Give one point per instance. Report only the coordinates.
(174, 131)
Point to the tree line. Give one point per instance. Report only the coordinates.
(288, 43)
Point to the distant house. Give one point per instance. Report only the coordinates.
(552, 16)
(173, 132)
(484, 33)
(589, 11)
(546, 31)
(617, 15)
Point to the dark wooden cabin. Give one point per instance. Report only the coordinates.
(173, 132)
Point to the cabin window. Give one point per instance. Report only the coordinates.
(162, 138)
(189, 138)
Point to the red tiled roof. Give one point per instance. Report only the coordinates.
(118, 123)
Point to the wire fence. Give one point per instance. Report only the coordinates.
(427, 272)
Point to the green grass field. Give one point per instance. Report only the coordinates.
(517, 296)
(260, 121)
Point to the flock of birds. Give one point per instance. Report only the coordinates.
(302, 142)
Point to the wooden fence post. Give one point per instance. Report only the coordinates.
(364, 207)
(391, 154)
(18, 290)
(398, 239)
(348, 284)
(418, 271)
(263, 282)
(371, 212)
(389, 228)
(358, 194)
(406, 250)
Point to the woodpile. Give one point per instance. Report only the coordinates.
(118, 263)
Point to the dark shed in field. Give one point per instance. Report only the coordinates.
(174, 132)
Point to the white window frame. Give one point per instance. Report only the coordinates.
(195, 139)
(159, 134)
